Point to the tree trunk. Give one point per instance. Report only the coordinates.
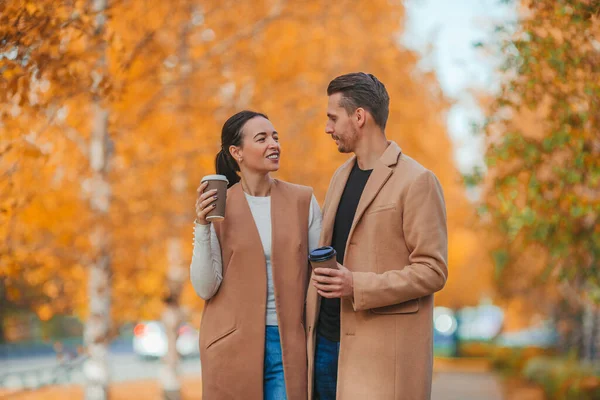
(569, 316)
(596, 350)
(172, 318)
(97, 328)
(3, 308)
(177, 274)
(589, 320)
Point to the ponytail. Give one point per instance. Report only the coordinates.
(224, 165)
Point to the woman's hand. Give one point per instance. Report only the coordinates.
(205, 203)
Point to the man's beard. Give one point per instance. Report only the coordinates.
(344, 146)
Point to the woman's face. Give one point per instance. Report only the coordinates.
(260, 150)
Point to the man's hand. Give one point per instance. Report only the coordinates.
(334, 283)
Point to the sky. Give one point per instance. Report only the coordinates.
(444, 33)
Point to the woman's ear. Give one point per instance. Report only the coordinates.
(236, 153)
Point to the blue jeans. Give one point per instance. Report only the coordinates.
(326, 367)
(274, 382)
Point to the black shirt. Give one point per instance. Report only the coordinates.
(329, 314)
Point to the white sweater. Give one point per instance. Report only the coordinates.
(206, 269)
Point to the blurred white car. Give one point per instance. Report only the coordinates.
(150, 340)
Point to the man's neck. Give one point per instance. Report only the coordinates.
(370, 149)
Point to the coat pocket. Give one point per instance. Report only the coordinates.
(220, 337)
(383, 207)
(408, 307)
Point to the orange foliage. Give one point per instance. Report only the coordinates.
(165, 119)
(541, 192)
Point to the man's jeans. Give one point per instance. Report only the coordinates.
(326, 367)
(274, 382)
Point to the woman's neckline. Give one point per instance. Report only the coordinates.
(257, 197)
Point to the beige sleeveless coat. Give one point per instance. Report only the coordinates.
(232, 333)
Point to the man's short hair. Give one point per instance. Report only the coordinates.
(362, 90)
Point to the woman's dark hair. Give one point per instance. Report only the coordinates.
(231, 135)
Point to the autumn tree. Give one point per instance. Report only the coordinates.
(284, 71)
(35, 244)
(120, 109)
(63, 48)
(176, 118)
(543, 157)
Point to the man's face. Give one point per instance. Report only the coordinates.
(341, 126)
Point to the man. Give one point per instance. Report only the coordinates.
(369, 323)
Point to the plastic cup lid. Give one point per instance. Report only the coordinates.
(322, 254)
(215, 178)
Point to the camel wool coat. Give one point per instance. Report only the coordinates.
(397, 252)
(232, 332)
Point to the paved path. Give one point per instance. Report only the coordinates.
(22, 372)
(466, 386)
(452, 379)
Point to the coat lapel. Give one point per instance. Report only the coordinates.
(378, 178)
(278, 220)
(246, 218)
(333, 201)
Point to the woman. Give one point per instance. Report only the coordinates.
(252, 269)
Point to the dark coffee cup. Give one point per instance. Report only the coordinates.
(220, 183)
(323, 257)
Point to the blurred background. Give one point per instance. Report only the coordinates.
(111, 113)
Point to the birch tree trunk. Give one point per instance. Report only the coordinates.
(177, 274)
(172, 317)
(97, 328)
